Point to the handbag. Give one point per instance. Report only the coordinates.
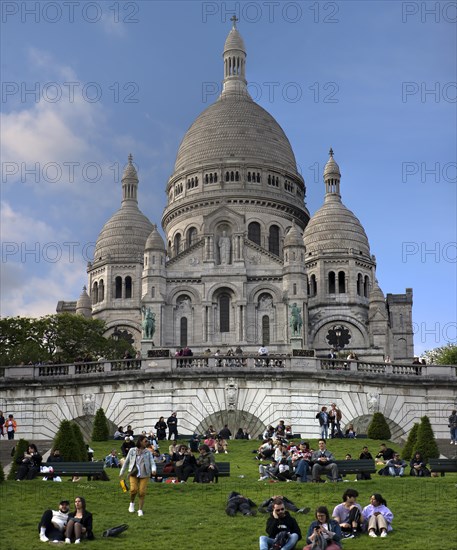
(115, 531)
(319, 543)
(134, 471)
(179, 463)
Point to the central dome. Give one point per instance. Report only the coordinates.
(235, 127)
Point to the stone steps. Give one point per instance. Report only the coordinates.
(6, 446)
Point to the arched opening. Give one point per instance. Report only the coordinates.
(118, 287)
(313, 285)
(191, 236)
(224, 312)
(359, 284)
(331, 282)
(128, 287)
(273, 241)
(366, 286)
(341, 282)
(265, 330)
(177, 243)
(254, 234)
(183, 332)
(95, 293)
(101, 291)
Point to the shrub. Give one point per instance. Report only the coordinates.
(100, 431)
(2, 474)
(68, 443)
(21, 447)
(378, 428)
(79, 440)
(410, 445)
(426, 443)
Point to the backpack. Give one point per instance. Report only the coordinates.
(280, 540)
(115, 531)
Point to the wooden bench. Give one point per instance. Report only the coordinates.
(443, 465)
(355, 467)
(222, 467)
(79, 469)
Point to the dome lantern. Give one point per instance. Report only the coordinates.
(332, 176)
(234, 63)
(129, 183)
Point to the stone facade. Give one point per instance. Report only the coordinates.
(242, 262)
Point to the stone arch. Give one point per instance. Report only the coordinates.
(260, 289)
(362, 422)
(219, 286)
(183, 289)
(234, 420)
(86, 423)
(334, 319)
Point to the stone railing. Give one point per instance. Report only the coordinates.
(225, 363)
(232, 361)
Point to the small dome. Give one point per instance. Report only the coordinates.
(83, 304)
(293, 237)
(234, 41)
(332, 170)
(155, 241)
(130, 170)
(124, 236)
(334, 227)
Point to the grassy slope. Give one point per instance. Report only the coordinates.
(188, 516)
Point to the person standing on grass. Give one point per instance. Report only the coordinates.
(172, 424)
(141, 466)
(378, 516)
(453, 427)
(280, 526)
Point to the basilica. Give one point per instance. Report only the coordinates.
(243, 263)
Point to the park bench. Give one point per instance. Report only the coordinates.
(222, 467)
(443, 465)
(79, 469)
(355, 467)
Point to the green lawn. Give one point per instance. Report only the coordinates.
(190, 516)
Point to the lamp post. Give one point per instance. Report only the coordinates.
(338, 333)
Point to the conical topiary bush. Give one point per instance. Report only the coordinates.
(426, 444)
(410, 445)
(378, 428)
(100, 431)
(21, 447)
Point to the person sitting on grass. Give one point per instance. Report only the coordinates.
(282, 529)
(418, 466)
(324, 532)
(79, 524)
(111, 460)
(53, 522)
(206, 466)
(378, 516)
(29, 464)
(396, 466)
(348, 514)
(266, 450)
(221, 445)
(385, 454)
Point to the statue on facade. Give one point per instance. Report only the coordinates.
(373, 402)
(296, 321)
(149, 323)
(231, 391)
(88, 404)
(224, 245)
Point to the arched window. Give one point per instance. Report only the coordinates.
(273, 241)
(313, 285)
(95, 293)
(118, 287)
(331, 282)
(294, 289)
(366, 286)
(265, 330)
(101, 291)
(359, 284)
(128, 287)
(341, 282)
(177, 243)
(249, 176)
(191, 236)
(183, 332)
(224, 312)
(254, 232)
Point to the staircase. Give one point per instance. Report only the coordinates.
(6, 446)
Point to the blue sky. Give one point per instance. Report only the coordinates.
(374, 80)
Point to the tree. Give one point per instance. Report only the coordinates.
(100, 431)
(69, 443)
(426, 443)
(445, 355)
(410, 445)
(79, 439)
(21, 447)
(378, 428)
